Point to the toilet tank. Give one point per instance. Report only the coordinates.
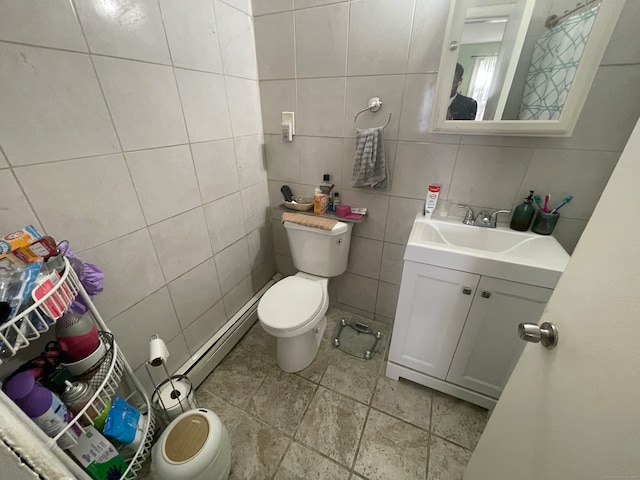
(320, 252)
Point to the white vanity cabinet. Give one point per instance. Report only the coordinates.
(456, 331)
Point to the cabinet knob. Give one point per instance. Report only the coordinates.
(485, 294)
(466, 290)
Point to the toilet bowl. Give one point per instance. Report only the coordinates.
(293, 310)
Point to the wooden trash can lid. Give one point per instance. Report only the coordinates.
(187, 438)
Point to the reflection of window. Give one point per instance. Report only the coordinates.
(480, 83)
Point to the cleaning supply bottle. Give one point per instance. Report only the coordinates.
(523, 214)
(326, 183)
(42, 406)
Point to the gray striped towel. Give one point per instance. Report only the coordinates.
(369, 165)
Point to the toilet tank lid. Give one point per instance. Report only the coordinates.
(290, 303)
(338, 229)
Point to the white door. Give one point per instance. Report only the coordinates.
(574, 412)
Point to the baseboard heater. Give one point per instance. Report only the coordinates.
(202, 363)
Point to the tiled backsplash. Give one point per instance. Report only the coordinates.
(323, 59)
(133, 129)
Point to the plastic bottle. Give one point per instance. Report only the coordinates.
(319, 202)
(42, 406)
(523, 214)
(336, 201)
(325, 187)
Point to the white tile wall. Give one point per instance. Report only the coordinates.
(165, 181)
(125, 29)
(237, 43)
(271, 6)
(216, 169)
(321, 41)
(427, 36)
(320, 107)
(379, 33)
(118, 136)
(205, 105)
(200, 330)
(238, 295)
(192, 35)
(244, 106)
(250, 160)
(16, 212)
(3, 160)
(131, 271)
(154, 314)
(233, 265)
(48, 24)
(276, 56)
(132, 90)
(195, 292)
(225, 220)
(96, 201)
(57, 110)
(277, 96)
(181, 242)
(255, 201)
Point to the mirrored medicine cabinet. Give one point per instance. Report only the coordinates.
(520, 67)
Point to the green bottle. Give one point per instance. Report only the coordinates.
(523, 214)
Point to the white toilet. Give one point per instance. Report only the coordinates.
(293, 310)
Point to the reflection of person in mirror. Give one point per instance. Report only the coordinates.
(460, 107)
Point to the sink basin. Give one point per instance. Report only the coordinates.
(498, 252)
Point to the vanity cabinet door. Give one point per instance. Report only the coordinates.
(432, 308)
(489, 346)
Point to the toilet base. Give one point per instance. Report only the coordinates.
(297, 353)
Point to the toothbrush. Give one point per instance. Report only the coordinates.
(547, 197)
(538, 200)
(564, 202)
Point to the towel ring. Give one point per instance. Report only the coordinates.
(374, 105)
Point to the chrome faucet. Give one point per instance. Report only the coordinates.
(483, 219)
(489, 220)
(468, 217)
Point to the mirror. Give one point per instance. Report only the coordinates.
(520, 67)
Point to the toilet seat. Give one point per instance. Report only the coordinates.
(291, 303)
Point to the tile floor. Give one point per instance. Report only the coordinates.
(340, 418)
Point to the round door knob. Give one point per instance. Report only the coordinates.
(547, 333)
(454, 45)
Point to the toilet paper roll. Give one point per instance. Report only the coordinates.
(158, 352)
(174, 404)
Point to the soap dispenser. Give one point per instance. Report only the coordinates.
(523, 214)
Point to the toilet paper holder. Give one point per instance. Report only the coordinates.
(175, 394)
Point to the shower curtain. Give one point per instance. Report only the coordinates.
(555, 60)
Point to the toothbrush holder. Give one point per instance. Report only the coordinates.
(544, 223)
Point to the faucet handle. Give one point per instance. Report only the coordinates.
(468, 217)
(493, 218)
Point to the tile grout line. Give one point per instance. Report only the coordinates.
(351, 469)
(117, 134)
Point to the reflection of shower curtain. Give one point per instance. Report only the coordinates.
(553, 66)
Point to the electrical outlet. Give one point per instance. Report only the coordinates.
(289, 117)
